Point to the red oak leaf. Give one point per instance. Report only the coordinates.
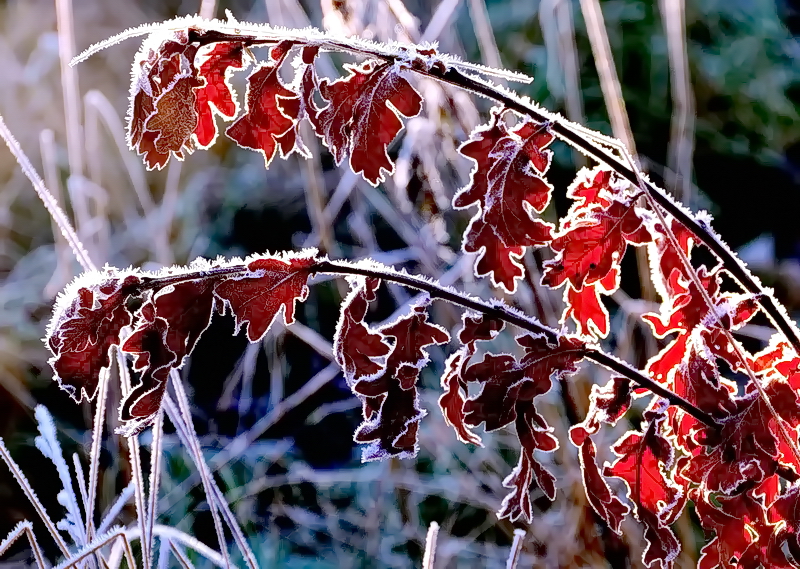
(784, 514)
(87, 321)
(593, 243)
(518, 162)
(154, 360)
(503, 264)
(743, 538)
(478, 328)
(669, 266)
(216, 95)
(697, 380)
(478, 149)
(586, 308)
(357, 348)
(271, 108)
(168, 328)
(302, 107)
(607, 404)
(534, 434)
(162, 116)
(507, 393)
(452, 400)
(607, 505)
(390, 400)
(645, 460)
(364, 116)
(272, 284)
(475, 328)
(508, 174)
(592, 188)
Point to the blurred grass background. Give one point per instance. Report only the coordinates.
(293, 475)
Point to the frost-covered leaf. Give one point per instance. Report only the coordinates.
(87, 321)
(508, 185)
(163, 114)
(363, 115)
(359, 350)
(167, 330)
(272, 283)
(390, 399)
(271, 107)
(593, 242)
(508, 390)
(475, 328)
(645, 462)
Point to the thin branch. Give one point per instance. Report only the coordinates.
(508, 314)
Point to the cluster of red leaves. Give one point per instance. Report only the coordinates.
(382, 367)
(743, 474)
(95, 313)
(181, 81)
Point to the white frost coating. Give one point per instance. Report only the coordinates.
(48, 445)
(265, 32)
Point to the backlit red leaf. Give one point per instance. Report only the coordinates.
(271, 107)
(215, 96)
(593, 243)
(645, 462)
(747, 447)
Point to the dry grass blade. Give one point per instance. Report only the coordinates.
(50, 203)
(681, 143)
(516, 549)
(97, 544)
(430, 546)
(23, 527)
(155, 479)
(16, 471)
